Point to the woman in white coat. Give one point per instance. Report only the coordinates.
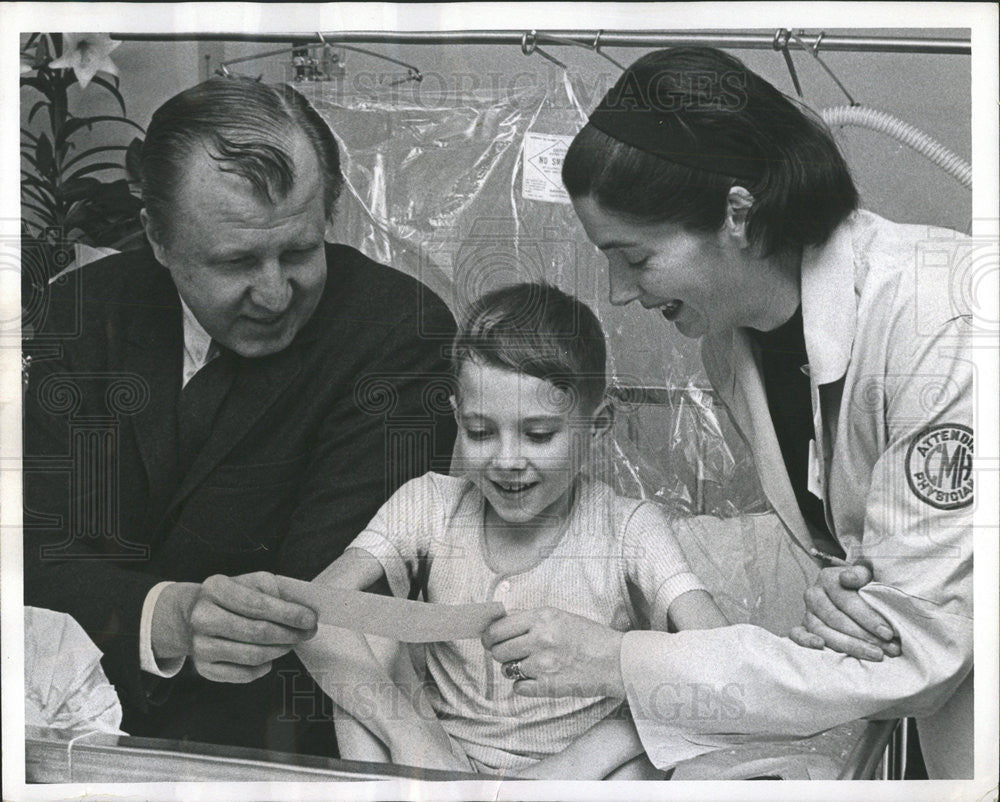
(834, 340)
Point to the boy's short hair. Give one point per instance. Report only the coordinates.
(537, 329)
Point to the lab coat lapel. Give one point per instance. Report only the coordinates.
(740, 386)
(829, 313)
(829, 317)
(829, 305)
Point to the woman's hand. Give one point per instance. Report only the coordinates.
(559, 653)
(837, 617)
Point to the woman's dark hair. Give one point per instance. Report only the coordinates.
(537, 329)
(717, 113)
(248, 128)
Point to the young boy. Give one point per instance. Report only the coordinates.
(526, 525)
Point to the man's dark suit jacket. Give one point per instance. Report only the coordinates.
(308, 444)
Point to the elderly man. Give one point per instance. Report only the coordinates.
(257, 393)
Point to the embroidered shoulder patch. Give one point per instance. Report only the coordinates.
(939, 466)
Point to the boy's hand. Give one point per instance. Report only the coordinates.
(231, 627)
(837, 617)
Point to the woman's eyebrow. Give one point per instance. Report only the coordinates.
(536, 419)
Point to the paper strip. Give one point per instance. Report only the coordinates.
(400, 619)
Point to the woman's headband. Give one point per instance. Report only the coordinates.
(643, 111)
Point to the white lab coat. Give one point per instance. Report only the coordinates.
(889, 359)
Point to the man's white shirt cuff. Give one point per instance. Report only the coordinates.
(147, 660)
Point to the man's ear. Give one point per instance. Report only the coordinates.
(454, 404)
(153, 236)
(738, 204)
(603, 420)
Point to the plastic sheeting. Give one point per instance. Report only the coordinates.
(463, 192)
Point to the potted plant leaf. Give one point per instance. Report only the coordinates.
(70, 194)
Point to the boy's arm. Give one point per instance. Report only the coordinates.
(342, 663)
(695, 609)
(656, 566)
(355, 569)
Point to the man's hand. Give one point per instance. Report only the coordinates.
(560, 653)
(837, 617)
(231, 627)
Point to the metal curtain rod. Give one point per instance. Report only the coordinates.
(733, 40)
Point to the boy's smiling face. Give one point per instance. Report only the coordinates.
(521, 439)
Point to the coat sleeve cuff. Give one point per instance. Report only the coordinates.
(653, 704)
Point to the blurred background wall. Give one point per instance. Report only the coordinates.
(929, 91)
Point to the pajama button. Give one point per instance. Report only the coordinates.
(503, 587)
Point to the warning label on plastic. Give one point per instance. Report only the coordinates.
(542, 167)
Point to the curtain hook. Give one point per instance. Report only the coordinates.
(527, 49)
(814, 51)
(534, 48)
(780, 42)
(597, 49)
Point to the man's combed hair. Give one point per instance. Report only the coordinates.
(803, 190)
(538, 330)
(248, 127)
